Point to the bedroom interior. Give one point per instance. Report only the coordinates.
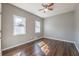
(39, 29)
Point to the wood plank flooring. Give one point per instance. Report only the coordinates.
(43, 47)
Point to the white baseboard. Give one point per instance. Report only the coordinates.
(59, 39)
(76, 46)
(65, 41)
(34, 40)
(17, 45)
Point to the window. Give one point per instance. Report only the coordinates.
(37, 26)
(19, 25)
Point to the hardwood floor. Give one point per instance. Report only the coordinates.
(43, 47)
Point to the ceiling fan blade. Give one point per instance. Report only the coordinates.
(44, 5)
(50, 4)
(41, 9)
(50, 8)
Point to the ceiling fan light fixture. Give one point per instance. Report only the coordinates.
(47, 7)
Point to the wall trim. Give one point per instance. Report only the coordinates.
(38, 39)
(65, 41)
(76, 46)
(59, 39)
(17, 45)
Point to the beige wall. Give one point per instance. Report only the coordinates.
(77, 26)
(8, 39)
(60, 27)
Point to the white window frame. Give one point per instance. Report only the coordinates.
(37, 25)
(19, 26)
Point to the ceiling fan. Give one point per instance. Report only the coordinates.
(47, 7)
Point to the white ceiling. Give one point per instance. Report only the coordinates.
(59, 8)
